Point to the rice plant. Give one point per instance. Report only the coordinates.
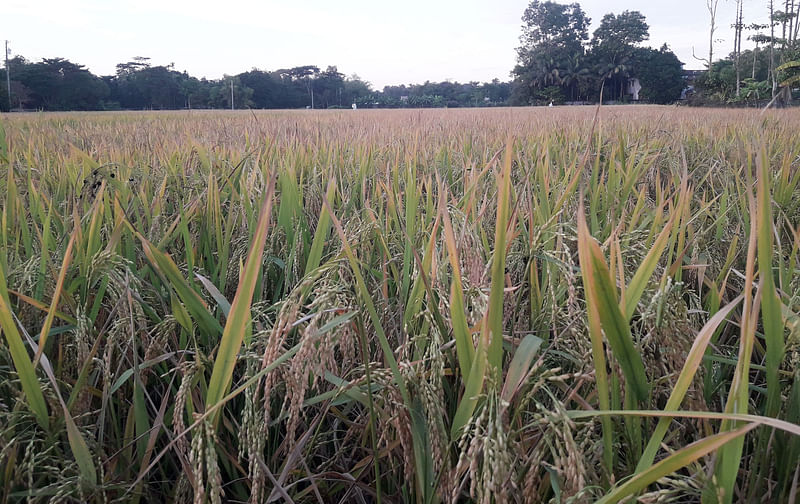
(499, 305)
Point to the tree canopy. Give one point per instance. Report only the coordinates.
(767, 73)
(59, 84)
(557, 61)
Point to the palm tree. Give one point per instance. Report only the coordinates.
(574, 74)
(610, 70)
(792, 79)
(546, 73)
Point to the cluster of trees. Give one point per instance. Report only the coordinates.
(558, 61)
(59, 84)
(753, 76)
(443, 94)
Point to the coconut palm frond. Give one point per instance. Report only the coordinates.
(791, 81)
(788, 65)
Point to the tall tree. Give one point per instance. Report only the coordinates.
(549, 24)
(355, 89)
(787, 18)
(758, 38)
(613, 44)
(59, 84)
(330, 85)
(621, 30)
(305, 74)
(576, 77)
(660, 73)
(265, 88)
(711, 6)
(552, 33)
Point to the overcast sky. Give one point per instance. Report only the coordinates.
(383, 42)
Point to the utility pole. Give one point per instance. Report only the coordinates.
(232, 94)
(8, 79)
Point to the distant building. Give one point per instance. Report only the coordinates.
(634, 86)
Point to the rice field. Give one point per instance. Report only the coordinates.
(530, 305)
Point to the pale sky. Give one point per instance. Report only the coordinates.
(383, 42)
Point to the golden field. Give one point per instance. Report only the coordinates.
(496, 305)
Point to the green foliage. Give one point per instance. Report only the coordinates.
(556, 53)
(552, 33)
(719, 85)
(790, 73)
(58, 84)
(660, 73)
(618, 32)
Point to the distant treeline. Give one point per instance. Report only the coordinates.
(558, 61)
(59, 84)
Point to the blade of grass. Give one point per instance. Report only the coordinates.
(770, 303)
(472, 387)
(494, 324)
(19, 356)
(520, 365)
(596, 336)
(193, 302)
(321, 233)
(684, 381)
(239, 316)
(48, 322)
(775, 423)
(223, 303)
(729, 458)
(639, 281)
(42, 307)
(674, 462)
(602, 292)
(465, 348)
